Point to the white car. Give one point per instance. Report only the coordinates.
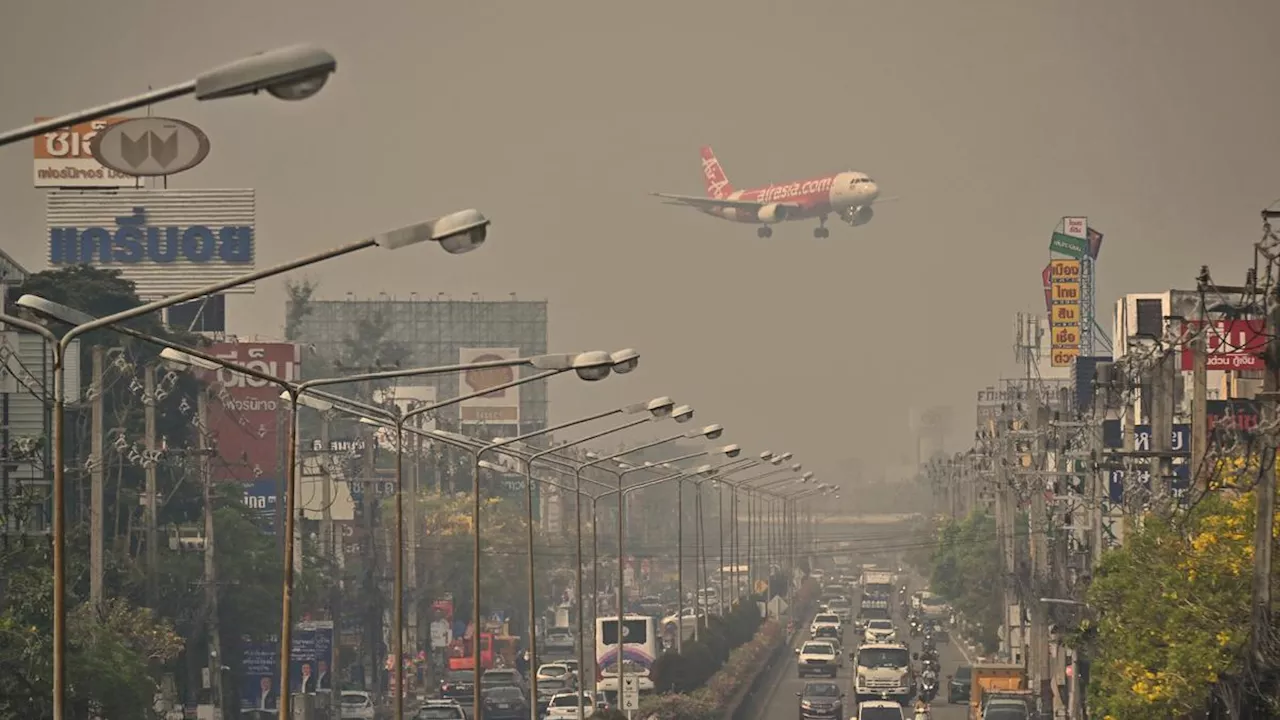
(357, 705)
(555, 671)
(817, 657)
(564, 706)
(440, 710)
(880, 710)
(879, 631)
(824, 618)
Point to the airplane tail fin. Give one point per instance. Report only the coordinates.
(718, 186)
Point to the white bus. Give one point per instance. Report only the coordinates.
(642, 644)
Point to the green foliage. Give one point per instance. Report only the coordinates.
(966, 569)
(1172, 612)
(298, 306)
(697, 664)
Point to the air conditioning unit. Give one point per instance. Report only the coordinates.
(187, 538)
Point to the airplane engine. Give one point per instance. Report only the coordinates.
(859, 215)
(772, 213)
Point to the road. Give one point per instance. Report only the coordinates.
(783, 704)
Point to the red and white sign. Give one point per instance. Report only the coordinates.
(1233, 345)
(1076, 227)
(249, 426)
(64, 158)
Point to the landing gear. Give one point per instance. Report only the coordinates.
(764, 231)
(821, 231)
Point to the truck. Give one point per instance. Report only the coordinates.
(1008, 705)
(993, 678)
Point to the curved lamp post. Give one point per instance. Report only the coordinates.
(292, 73)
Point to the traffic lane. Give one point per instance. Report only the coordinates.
(950, 656)
(782, 701)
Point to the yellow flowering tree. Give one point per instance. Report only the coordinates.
(1172, 611)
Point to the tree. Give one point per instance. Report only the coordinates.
(967, 570)
(298, 307)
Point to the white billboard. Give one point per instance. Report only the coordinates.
(407, 398)
(164, 241)
(501, 407)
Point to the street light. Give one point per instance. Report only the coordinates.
(589, 366)
(292, 73)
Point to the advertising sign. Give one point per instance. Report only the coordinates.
(1072, 247)
(150, 146)
(497, 408)
(1064, 312)
(261, 496)
(1076, 227)
(991, 399)
(247, 425)
(1095, 243)
(258, 679)
(1045, 276)
(312, 651)
(1232, 344)
(64, 158)
(165, 241)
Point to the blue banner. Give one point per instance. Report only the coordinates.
(309, 663)
(258, 681)
(260, 497)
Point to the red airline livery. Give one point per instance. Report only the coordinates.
(847, 194)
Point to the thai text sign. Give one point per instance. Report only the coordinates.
(246, 421)
(1232, 344)
(165, 241)
(1064, 312)
(64, 158)
(501, 407)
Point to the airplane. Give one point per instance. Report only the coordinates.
(847, 194)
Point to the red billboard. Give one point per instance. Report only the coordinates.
(248, 423)
(1233, 344)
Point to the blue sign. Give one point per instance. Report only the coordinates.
(260, 497)
(1180, 483)
(133, 241)
(258, 679)
(309, 661)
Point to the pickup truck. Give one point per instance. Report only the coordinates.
(993, 679)
(817, 658)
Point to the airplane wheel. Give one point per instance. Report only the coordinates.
(764, 231)
(821, 232)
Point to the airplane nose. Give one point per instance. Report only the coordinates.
(873, 191)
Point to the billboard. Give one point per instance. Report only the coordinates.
(312, 652)
(165, 241)
(261, 497)
(64, 158)
(258, 679)
(246, 424)
(991, 398)
(1236, 334)
(1064, 313)
(501, 407)
(407, 398)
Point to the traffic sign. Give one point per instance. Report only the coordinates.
(630, 693)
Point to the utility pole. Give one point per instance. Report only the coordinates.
(1162, 430)
(97, 479)
(1200, 393)
(210, 569)
(1266, 487)
(1037, 540)
(414, 534)
(373, 597)
(1004, 526)
(153, 510)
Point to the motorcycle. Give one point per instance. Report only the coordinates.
(916, 629)
(928, 688)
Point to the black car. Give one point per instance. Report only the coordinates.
(821, 701)
(459, 685)
(958, 685)
(504, 703)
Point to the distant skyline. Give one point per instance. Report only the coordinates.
(990, 119)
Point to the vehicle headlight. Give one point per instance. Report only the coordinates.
(806, 704)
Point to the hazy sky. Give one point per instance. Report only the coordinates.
(1156, 118)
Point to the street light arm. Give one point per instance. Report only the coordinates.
(151, 97)
(596, 436)
(628, 451)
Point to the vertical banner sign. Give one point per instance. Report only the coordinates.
(258, 678)
(309, 662)
(1064, 314)
(64, 158)
(501, 407)
(1046, 276)
(247, 424)
(165, 241)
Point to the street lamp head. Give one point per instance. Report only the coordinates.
(54, 311)
(706, 470)
(592, 455)
(766, 455)
(593, 365)
(775, 460)
(682, 413)
(660, 407)
(625, 360)
(731, 450)
(181, 360)
(494, 467)
(310, 401)
(292, 73)
(807, 477)
(795, 467)
(457, 233)
(785, 456)
(710, 432)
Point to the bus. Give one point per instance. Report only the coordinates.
(642, 645)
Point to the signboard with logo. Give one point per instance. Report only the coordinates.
(150, 146)
(1064, 312)
(309, 661)
(248, 424)
(164, 241)
(64, 158)
(501, 407)
(1233, 344)
(259, 680)
(261, 497)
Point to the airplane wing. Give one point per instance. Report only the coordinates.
(706, 202)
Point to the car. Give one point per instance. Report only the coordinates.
(554, 671)
(960, 684)
(880, 710)
(572, 665)
(504, 702)
(821, 700)
(357, 705)
(440, 710)
(564, 706)
(458, 685)
(549, 688)
(558, 640)
(831, 634)
(824, 618)
(878, 631)
(502, 677)
(817, 657)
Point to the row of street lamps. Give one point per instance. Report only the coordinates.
(296, 73)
